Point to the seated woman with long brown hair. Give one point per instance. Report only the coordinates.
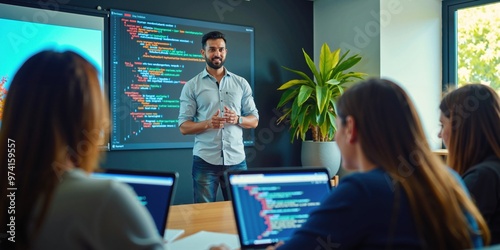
(54, 120)
(470, 119)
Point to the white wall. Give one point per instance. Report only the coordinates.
(344, 24)
(410, 54)
(398, 39)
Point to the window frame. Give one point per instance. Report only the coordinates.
(449, 24)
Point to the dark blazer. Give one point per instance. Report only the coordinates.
(483, 182)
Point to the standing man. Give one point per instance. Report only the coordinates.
(216, 105)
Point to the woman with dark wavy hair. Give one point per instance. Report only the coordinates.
(470, 119)
(54, 120)
(402, 195)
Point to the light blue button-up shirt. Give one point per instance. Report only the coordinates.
(200, 99)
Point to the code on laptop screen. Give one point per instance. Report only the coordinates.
(270, 207)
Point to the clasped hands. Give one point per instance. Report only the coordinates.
(218, 122)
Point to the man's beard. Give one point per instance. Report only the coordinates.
(214, 66)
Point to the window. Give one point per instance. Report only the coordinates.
(471, 42)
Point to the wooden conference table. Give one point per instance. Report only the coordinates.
(213, 217)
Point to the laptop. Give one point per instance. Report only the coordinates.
(271, 203)
(155, 190)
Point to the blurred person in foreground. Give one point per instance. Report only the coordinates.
(54, 120)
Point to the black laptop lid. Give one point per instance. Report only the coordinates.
(154, 190)
(270, 204)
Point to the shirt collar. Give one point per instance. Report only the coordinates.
(206, 74)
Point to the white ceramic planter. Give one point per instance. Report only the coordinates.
(321, 154)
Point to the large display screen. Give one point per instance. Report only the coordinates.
(152, 57)
(28, 29)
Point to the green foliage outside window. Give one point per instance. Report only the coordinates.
(478, 37)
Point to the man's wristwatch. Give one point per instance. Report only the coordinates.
(240, 120)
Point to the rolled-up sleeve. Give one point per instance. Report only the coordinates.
(187, 109)
(248, 106)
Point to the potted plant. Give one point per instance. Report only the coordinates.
(308, 104)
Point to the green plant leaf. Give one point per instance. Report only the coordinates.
(295, 112)
(287, 96)
(304, 94)
(301, 74)
(345, 77)
(333, 125)
(341, 90)
(332, 118)
(312, 67)
(303, 131)
(344, 55)
(325, 62)
(310, 116)
(335, 57)
(283, 117)
(324, 126)
(347, 64)
(320, 118)
(333, 82)
(322, 97)
(305, 120)
(335, 93)
(295, 134)
(292, 83)
(334, 106)
(335, 60)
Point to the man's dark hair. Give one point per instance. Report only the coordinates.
(211, 35)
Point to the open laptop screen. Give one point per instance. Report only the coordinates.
(270, 204)
(154, 191)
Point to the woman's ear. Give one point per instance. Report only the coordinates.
(351, 129)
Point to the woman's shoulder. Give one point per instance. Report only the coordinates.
(490, 165)
(375, 175)
(374, 182)
(77, 183)
(357, 191)
(492, 160)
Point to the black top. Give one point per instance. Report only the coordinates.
(483, 182)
